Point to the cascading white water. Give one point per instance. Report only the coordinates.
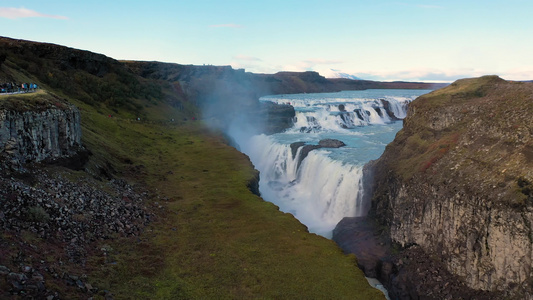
(317, 115)
(326, 185)
(320, 192)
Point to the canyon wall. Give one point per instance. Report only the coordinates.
(457, 184)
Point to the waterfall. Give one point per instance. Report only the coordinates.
(398, 106)
(319, 193)
(322, 186)
(340, 116)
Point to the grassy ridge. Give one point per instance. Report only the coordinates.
(35, 101)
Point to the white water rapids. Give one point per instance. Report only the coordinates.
(327, 185)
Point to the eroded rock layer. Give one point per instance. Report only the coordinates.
(40, 135)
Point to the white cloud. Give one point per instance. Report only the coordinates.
(320, 61)
(322, 66)
(249, 63)
(524, 73)
(313, 64)
(225, 26)
(16, 13)
(431, 75)
(246, 58)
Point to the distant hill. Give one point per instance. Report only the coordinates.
(260, 84)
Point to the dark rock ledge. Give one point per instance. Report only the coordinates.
(325, 143)
(407, 273)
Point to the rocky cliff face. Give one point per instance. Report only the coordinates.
(40, 135)
(457, 183)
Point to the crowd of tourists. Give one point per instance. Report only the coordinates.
(15, 88)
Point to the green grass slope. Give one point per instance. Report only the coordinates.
(213, 238)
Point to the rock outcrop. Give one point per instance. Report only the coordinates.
(325, 143)
(331, 143)
(40, 135)
(457, 184)
(361, 236)
(272, 117)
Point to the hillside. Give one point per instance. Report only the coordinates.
(455, 191)
(162, 208)
(192, 78)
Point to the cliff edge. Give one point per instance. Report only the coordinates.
(456, 185)
(38, 127)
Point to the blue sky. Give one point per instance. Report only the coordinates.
(421, 40)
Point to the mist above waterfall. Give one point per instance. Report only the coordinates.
(230, 105)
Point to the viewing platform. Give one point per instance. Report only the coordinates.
(13, 88)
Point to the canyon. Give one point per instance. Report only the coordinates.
(451, 197)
